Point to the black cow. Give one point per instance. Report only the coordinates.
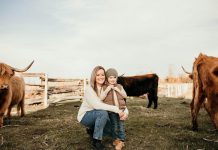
(139, 85)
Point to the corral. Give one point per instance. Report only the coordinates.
(167, 127)
(56, 127)
(42, 91)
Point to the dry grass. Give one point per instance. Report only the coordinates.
(168, 127)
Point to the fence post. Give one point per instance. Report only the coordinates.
(46, 92)
(84, 85)
(168, 90)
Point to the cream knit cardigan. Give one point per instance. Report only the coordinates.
(91, 101)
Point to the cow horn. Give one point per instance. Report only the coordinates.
(122, 75)
(22, 70)
(186, 71)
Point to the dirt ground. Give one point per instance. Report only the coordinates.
(56, 127)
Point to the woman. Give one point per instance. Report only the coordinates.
(93, 112)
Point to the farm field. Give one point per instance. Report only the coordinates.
(168, 127)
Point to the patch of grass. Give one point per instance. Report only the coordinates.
(168, 127)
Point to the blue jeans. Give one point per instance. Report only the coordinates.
(117, 126)
(98, 121)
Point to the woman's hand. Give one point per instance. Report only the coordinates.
(121, 113)
(124, 117)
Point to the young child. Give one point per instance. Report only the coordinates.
(114, 94)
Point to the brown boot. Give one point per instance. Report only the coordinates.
(118, 144)
(115, 142)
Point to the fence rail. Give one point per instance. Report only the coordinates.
(43, 85)
(50, 90)
(175, 90)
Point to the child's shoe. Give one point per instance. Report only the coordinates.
(118, 144)
(115, 142)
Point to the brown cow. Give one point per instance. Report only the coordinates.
(205, 88)
(12, 90)
(141, 84)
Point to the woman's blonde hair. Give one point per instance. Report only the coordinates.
(93, 77)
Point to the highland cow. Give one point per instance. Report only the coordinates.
(12, 90)
(141, 84)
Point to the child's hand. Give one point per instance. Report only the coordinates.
(116, 89)
(111, 87)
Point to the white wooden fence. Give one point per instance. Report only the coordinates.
(50, 90)
(43, 86)
(176, 90)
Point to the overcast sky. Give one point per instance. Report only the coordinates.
(68, 38)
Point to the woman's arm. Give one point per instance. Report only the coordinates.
(104, 93)
(126, 114)
(95, 102)
(126, 111)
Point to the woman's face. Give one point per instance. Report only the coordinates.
(100, 77)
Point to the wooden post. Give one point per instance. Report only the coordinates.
(168, 90)
(176, 91)
(46, 91)
(84, 85)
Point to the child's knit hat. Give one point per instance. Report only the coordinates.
(111, 72)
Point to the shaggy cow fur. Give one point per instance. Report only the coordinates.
(12, 90)
(142, 84)
(205, 88)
